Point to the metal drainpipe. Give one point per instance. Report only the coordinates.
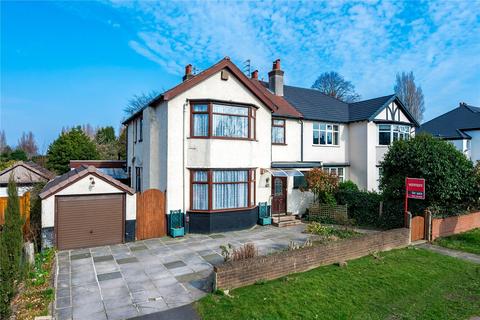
(301, 141)
(183, 153)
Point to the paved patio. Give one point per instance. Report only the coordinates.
(142, 277)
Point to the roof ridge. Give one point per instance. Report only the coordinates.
(388, 95)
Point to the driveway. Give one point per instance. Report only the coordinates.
(137, 278)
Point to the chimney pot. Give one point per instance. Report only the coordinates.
(276, 65)
(255, 75)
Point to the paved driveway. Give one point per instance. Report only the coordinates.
(142, 277)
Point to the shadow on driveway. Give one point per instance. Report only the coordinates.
(181, 313)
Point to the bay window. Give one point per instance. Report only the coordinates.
(325, 134)
(278, 131)
(218, 120)
(215, 190)
(387, 134)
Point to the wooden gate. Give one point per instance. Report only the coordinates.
(151, 218)
(417, 228)
(24, 210)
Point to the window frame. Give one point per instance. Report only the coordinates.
(326, 131)
(251, 186)
(284, 131)
(341, 178)
(397, 132)
(140, 131)
(252, 119)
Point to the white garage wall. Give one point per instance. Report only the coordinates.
(83, 187)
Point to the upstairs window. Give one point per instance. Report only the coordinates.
(278, 131)
(387, 134)
(138, 179)
(325, 134)
(212, 120)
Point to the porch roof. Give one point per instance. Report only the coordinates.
(296, 164)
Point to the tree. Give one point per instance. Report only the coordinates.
(71, 145)
(451, 184)
(11, 244)
(138, 101)
(27, 143)
(122, 144)
(334, 85)
(18, 155)
(3, 141)
(410, 94)
(106, 143)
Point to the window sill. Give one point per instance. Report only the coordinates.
(326, 145)
(221, 210)
(223, 138)
(383, 145)
(279, 144)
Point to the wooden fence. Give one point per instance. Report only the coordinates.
(24, 209)
(151, 217)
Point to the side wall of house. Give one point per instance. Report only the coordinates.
(358, 153)
(475, 145)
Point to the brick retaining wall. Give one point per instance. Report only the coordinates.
(442, 227)
(236, 274)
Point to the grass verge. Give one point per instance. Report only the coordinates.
(467, 241)
(400, 284)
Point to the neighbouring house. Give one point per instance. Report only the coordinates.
(461, 127)
(115, 168)
(221, 142)
(85, 208)
(26, 174)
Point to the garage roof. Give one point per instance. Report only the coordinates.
(76, 174)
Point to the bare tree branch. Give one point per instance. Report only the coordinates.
(410, 94)
(334, 85)
(138, 101)
(27, 143)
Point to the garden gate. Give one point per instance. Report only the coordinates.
(151, 218)
(417, 228)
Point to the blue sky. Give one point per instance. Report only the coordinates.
(66, 63)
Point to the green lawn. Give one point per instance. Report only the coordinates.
(401, 284)
(467, 241)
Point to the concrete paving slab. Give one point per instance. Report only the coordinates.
(152, 306)
(175, 264)
(63, 314)
(127, 260)
(109, 276)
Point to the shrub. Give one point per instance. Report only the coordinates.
(244, 252)
(11, 244)
(451, 184)
(362, 206)
(347, 186)
(323, 185)
(36, 214)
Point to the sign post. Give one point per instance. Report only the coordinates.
(414, 189)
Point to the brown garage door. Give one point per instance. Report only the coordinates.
(89, 221)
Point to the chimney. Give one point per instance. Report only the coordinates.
(188, 72)
(255, 75)
(275, 79)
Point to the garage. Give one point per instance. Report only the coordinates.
(91, 220)
(87, 208)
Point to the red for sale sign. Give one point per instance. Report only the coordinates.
(415, 188)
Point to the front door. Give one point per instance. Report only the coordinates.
(279, 195)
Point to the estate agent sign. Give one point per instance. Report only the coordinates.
(414, 189)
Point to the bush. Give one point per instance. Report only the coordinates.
(11, 245)
(322, 184)
(347, 186)
(451, 185)
(362, 206)
(36, 214)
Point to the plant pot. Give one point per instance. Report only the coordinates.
(177, 232)
(265, 221)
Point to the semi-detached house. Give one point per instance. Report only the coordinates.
(219, 143)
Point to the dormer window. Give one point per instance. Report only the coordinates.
(219, 120)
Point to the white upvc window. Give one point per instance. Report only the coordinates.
(325, 134)
(389, 133)
(338, 171)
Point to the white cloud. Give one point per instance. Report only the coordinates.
(367, 42)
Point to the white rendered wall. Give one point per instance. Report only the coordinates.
(82, 187)
(358, 153)
(212, 153)
(475, 145)
(325, 153)
(292, 150)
